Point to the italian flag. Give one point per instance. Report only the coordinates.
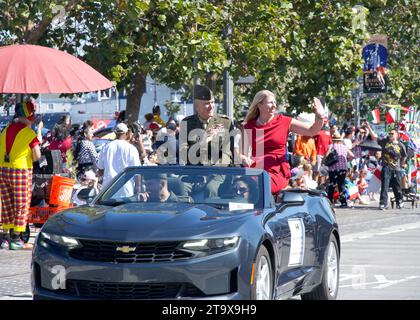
(374, 116)
(375, 181)
(410, 116)
(353, 192)
(391, 116)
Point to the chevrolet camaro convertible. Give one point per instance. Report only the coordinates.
(190, 232)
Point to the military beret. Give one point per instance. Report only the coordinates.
(202, 93)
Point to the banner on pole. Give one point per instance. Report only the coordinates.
(375, 55)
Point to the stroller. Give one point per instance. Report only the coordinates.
(409, 190)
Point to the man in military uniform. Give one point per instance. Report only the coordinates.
(206, 138)
(157, 189)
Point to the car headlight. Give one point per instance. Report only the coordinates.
(210, 246)
(48, 238)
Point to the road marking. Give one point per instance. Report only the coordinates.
(377, 219)
(379, 232)
(381, 282)
(18, 296)
(15, 298)
(16, 274)
(388, 266)
(345, 277)
(387, 283)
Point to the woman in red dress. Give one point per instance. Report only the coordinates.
(266, 132)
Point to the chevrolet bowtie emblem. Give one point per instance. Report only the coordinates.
(126, 249)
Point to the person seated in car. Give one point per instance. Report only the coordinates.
(245, 188)
(156, 189)
(198, 188)
(88, 180)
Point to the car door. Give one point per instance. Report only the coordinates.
(294, 231)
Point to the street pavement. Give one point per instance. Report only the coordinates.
(380, 257)
(15, 268)
(380, 254)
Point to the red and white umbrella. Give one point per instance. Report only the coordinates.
(37, 69)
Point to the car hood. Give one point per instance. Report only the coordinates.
(130, 222)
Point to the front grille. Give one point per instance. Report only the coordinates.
(106, 251)
(110, 290)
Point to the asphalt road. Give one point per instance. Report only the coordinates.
(380, 254)
(380, 257)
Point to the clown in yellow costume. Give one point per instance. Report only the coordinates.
(19, 147)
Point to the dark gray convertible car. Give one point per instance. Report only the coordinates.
(181, 232)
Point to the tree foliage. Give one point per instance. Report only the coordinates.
(298, 49)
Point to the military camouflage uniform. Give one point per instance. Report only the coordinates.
(218, 152)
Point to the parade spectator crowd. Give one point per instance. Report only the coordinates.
(316, 155)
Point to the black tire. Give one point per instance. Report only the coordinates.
(26, 235)
(262, 253)
(322, 292)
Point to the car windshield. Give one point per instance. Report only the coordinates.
(221, 188)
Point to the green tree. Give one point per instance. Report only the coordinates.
(30, 21)
(172, 108)
(158, 38)
(316, 52)
(298, 49)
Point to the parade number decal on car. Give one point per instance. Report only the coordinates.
(297, 245)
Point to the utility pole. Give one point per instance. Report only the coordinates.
(195, 78)
(356, 107)
(195, 82)
(154, 94)
(227, 79)
(117, 96)
(357, 94)
(227, 94)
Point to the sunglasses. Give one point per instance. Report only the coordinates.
(241, 190)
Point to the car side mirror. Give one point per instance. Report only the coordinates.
(87, 194)
(292, 198)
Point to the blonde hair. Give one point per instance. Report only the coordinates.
(302, 161)
(307, 167)
(259, 97)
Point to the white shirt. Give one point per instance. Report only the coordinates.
(115, 157)
(309, 183)
(348, 143)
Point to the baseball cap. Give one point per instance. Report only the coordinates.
(171, 126)
(121, 128)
